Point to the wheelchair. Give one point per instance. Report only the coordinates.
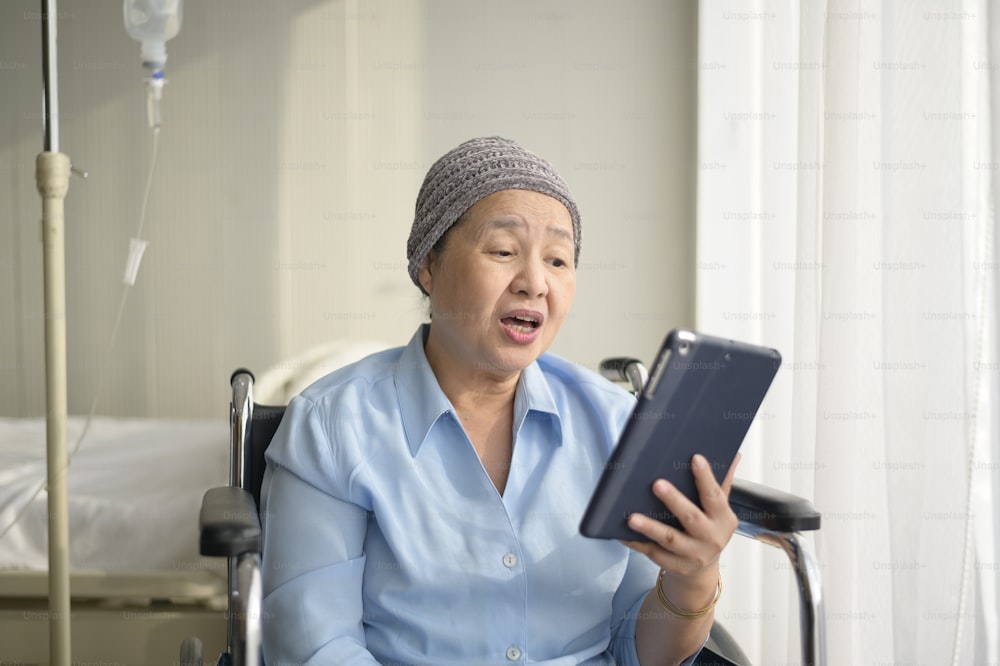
(230, 528)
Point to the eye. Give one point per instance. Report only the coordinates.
(503, 253)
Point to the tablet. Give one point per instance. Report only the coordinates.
(702, 395)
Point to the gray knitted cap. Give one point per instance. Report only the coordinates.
(474, 170)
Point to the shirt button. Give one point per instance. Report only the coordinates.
(513, 653)
(510, 561)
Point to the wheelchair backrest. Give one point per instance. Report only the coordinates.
(264, 423)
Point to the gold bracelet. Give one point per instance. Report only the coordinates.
(681, 612)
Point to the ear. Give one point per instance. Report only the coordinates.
(425, 274)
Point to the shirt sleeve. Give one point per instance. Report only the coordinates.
(626, 607)
(313, 560)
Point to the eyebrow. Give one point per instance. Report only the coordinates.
(518, 223)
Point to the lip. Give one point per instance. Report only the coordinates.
(521, 336)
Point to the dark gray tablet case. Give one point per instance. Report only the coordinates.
(702, 395)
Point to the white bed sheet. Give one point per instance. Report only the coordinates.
(134, 486)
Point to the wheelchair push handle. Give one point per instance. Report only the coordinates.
(241, 371)
(625, 369)
(240, 420)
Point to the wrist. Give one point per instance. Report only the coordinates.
(689, 596)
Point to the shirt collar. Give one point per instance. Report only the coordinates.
(533, 399)
(422, 402)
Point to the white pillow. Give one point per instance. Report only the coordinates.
(285, 380)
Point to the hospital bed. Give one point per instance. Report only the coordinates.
(230, 528)
(138, 584)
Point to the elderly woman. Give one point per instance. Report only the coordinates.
(422, 506)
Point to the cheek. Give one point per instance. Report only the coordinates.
(489, 282)
(474, 294)
(566, 291)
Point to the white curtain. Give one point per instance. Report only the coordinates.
(848, 168)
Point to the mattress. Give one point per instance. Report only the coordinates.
(134, 488)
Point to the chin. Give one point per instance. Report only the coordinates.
(506, 364)
(518, 362)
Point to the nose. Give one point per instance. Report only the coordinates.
(531, 278)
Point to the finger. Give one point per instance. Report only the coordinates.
(692, 519)
(671, 562)
(727, 483)
(668, 546)
(670, 549)
(714, 499)
(662, 535)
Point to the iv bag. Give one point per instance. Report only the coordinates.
(153, 22)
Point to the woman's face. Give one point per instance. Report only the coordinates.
(503, 284)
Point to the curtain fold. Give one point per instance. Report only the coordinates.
(871, 261)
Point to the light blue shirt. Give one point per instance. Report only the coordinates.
(386, 541)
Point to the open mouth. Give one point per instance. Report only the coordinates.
(524, 323)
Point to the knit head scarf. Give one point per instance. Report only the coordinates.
(474, 170)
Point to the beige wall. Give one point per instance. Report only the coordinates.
(295, 138)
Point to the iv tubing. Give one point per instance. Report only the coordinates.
(102, 375)
(111, 345)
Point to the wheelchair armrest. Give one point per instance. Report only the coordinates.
(229, 523)
(772, 509)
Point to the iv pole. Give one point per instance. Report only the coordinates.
(52, 170)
